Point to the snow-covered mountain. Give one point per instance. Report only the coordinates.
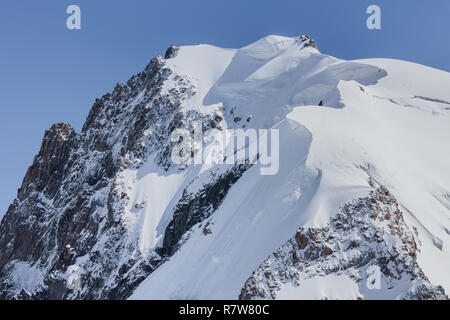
(359, 207)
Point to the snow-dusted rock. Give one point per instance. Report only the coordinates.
(109, 206)
(366, 251)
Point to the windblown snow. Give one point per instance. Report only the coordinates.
(345, 126)
(363, 184)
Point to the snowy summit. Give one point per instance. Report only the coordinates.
(359, 208)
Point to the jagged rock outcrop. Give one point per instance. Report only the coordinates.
(69, 208)
(100, 210)
(49, 166)
(44, 177)
(367, 233)
(194, 208)
(308, 42)
(171, 52)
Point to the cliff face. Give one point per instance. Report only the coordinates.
(49, 166)
(68, 209)
(56, 216)
(20, 231)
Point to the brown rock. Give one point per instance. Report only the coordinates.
(302, 240)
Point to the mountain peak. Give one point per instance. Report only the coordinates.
(306, 41)
(48, 166)
(112, 203)
(274, 44)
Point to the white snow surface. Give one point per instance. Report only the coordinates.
(383, 119)
(319, 287)
(26, 277)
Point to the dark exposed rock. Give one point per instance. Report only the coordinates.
(171, 52)
(192, 209)
(308, 42)
(49, 165)
(55, 206)
(69, 208)
(24, 295)
(302, 240)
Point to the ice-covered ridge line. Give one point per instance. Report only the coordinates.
(122, 192)
(368, 139)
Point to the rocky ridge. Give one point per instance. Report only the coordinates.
(69, 208)
(366, 233)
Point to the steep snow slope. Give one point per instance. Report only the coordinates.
(153, 192)
(383, 122)
(365, 252)
(110, 203)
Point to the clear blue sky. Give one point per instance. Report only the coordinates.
(50, 74)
